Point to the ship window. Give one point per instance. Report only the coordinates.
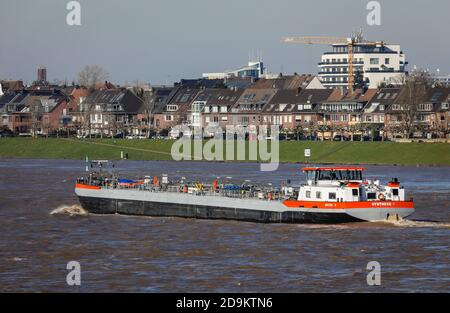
(354, 192)
(310, 175)
(395, 192)
(332, 196)
(308, 194)
(371, 196)
(318, 195)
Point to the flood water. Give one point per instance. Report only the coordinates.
(144, 254)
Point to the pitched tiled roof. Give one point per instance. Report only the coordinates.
(219, 96)
(183, 99)
(357, 96)
(130, 102)
(288, 100)
(254, 100)
(384, 97)
(283, 82)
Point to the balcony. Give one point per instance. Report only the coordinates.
(333, 73)
(340, 63)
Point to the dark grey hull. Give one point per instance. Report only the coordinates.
(98, 205)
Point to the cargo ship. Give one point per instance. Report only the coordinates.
(331, 195)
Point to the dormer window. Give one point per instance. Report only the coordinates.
(425, 107)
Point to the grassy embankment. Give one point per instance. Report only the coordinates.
(291, 151)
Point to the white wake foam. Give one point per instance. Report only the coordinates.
(70, 210)
(412, 223)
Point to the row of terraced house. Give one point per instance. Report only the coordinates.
(297, 104)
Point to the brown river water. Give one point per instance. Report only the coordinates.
(145, 254)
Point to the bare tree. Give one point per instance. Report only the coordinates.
(91, 75)
(415, 87)
(298, 131)
(88, 77)
(36, 114)
(148, 106)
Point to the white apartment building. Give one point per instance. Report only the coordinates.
(380, 63)
(444, 80)
(253, 69)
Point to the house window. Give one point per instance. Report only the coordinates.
(172, 107)
(374, 61)
(168, 117)
(426, 107)
(386, 61)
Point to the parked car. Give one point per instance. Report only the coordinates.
(340, 138)
(6, 133)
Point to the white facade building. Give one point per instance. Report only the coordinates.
(377, 64)
(444, 80)
(254, 69)
(196, 113)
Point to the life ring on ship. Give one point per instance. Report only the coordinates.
(381, 197)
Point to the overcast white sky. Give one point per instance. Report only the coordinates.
(161, 41)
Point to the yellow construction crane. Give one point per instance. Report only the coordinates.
(315, 40)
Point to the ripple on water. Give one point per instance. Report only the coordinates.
(150, 254)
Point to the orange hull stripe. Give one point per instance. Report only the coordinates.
(349, 205)
(83, 186)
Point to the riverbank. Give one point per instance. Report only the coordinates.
(423, 154)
